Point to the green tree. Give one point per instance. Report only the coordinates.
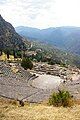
(26, 63)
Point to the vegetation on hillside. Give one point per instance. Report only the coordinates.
(54, 55)
(46, 54)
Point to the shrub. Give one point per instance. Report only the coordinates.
(63, 65)
(62, 98)
(26, 63)
(55, 61)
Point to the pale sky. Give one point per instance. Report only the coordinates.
(41, 13)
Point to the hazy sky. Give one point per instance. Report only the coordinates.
(41, 13)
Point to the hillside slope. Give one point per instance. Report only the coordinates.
(8, 36)
(66, 38)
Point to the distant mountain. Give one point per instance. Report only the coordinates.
(29, 32)
(65, 38)
(9, 38)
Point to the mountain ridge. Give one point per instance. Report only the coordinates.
(66, 38)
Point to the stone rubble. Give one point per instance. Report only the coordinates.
(56, 70)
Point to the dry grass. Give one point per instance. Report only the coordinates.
(4, 57)
(10, 110)
(11, 57)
